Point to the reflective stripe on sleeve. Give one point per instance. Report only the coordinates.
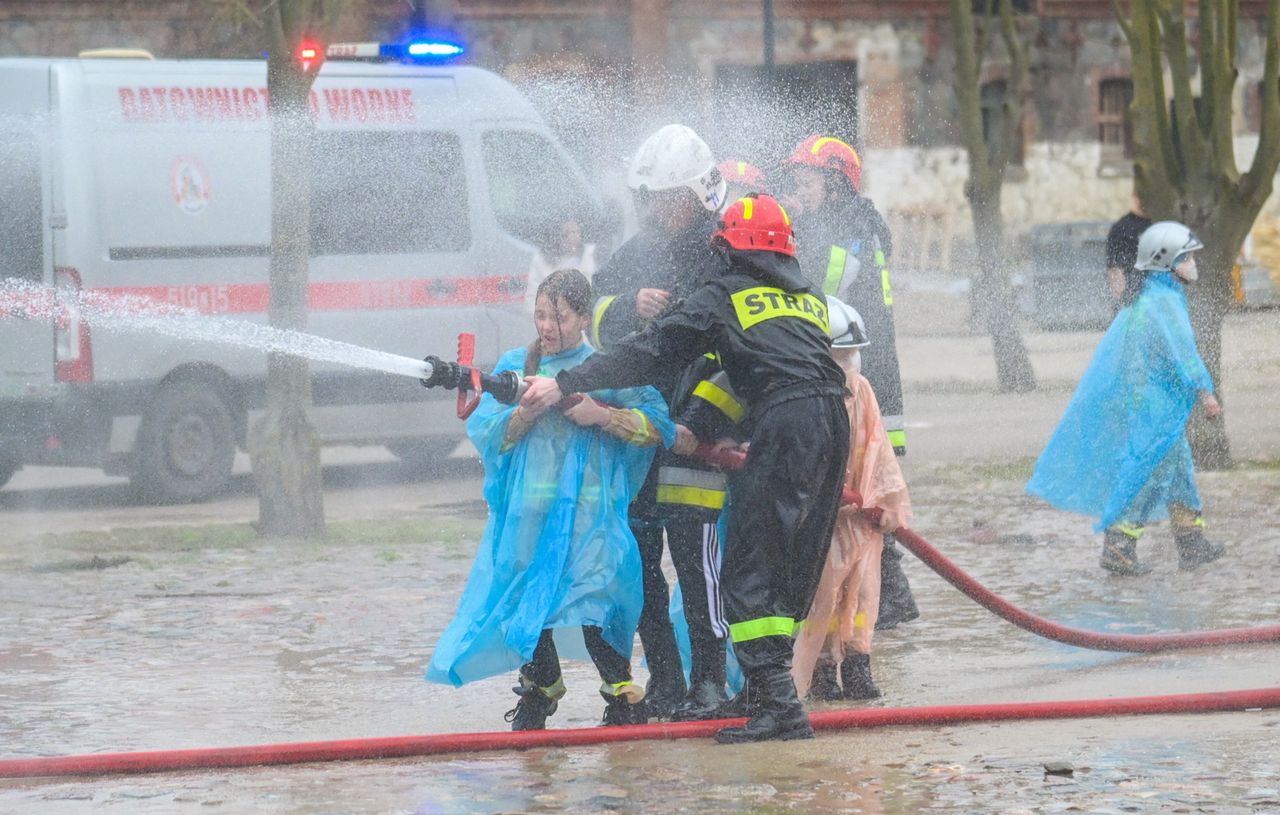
(711, 392)
(897, 438)
(835, 270)
(762, 627)
(602, 305)
(690, 496)
(643, 433)
(884, 281)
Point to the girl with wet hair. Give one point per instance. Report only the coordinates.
(558, 569)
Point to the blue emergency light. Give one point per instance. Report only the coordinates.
(433, 50)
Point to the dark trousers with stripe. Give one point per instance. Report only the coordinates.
(784, 506)
(695, 552)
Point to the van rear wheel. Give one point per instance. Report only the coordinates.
(424, 455)
(186, 445)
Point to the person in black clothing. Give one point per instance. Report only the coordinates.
(1122, 253)
(770, 330)
(678, 191)
(844, 251)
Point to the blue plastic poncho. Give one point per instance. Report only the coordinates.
(557, 552)
(1120, 452)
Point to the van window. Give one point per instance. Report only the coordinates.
(531, 188)
(21, 241)
(401, 192)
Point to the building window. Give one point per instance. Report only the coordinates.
(1115, 125)
(994, 117)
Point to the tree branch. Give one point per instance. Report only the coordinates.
(966, 84)
(1191, 145)
(1125, 25)
(1262, 170)
(1220, 80)
(984, 26)
(1012, 102)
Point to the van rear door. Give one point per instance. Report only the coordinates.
(26, 330)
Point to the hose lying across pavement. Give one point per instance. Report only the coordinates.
(405, 746)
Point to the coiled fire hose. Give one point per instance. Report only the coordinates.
(450, 743)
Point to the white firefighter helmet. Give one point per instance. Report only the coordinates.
(1160, 246)
(676, 157)
(847, 328)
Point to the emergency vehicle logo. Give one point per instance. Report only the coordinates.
(189, 183)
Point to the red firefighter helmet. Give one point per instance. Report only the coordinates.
(829, 153)
(743, 175)
(759, 223)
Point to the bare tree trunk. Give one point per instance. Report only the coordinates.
(991, 289)
(285, 447)
(992, 296)
(1210, 300)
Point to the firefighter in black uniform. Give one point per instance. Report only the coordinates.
(690, 496)
(845, 246)
(757, 312)
(678, 191)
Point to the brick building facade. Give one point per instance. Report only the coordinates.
(877, 72)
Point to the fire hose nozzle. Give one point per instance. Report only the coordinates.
(505, 386)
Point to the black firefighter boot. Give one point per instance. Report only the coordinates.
(826, 684)
(897, 605)
(706, 694)
(855, 676)
(624, 704)
(1194, 549)
(745, 703)
(780, 715)
(535, 704)
(666, 688)
(1120, 551)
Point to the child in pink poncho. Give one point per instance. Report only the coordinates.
(832, 657)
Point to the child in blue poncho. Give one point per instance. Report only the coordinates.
(558, 565)
(1120, 453)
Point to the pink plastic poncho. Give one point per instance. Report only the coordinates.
(844, 610)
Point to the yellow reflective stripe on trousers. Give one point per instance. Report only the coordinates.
(690, 496)
(602, 305)
(762, 627)
(898, 438)
(721, 398)
(835, 270)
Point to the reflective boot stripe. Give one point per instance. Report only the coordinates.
(628, 690)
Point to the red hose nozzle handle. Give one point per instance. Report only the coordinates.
(728, 460)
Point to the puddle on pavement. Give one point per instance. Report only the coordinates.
(272, 642)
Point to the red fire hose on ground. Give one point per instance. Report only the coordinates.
(446, 743)
(407, 746)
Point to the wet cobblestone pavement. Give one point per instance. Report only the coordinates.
(170, 639)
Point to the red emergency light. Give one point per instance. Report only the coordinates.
(310, 56)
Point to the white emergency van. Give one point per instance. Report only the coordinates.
(151, 177)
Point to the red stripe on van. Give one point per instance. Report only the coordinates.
(365, 295)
